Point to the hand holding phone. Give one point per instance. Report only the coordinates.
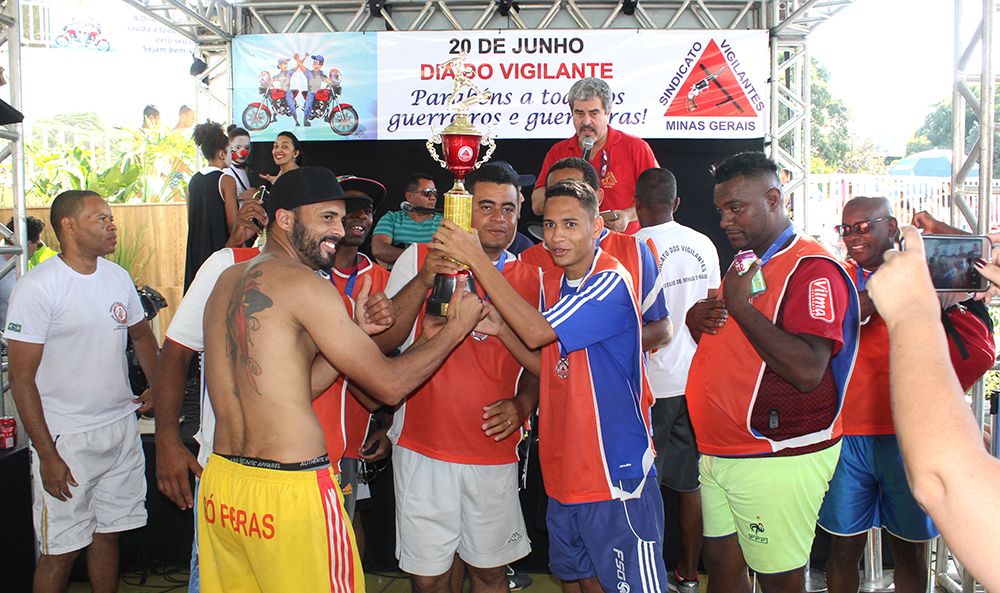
(951, 260)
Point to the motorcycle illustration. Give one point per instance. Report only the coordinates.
(86, 35)
(342, 117)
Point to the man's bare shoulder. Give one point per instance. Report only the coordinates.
(291, 287)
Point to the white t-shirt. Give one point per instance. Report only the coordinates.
(689, 266)
(83, 322)
(187, 329)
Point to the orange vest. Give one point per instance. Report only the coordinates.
(726, 370)
(624, 248)
(867, 410)
(571, 436)
(343, 419)
(443, 418)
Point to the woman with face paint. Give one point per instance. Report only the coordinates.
(235, 182)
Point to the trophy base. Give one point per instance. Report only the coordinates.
(444, 288)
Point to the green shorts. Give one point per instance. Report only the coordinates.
(770, 503)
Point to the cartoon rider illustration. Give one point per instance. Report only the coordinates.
(284, 79)
(316, 79)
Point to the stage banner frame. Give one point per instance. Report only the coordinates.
(700, 84)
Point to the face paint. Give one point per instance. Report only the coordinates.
(239, 151)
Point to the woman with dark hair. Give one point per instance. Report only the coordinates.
(287, 154)
(235, 182)
(207, 228)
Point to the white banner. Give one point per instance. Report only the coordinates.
(665, 84)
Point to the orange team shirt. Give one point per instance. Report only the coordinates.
(347, 424)
(732, 396)
(443, 418)
(593, 410)
(867, 410)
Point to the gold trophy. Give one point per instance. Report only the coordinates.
(460, 142)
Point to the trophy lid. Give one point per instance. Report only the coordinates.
(461, 126)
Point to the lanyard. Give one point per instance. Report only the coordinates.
(349, 289)
(500, 263)
(862, 279)
(502, 260)
(778, 244)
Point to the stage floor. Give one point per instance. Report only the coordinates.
(375, 583)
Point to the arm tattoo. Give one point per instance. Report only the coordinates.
(241, 324)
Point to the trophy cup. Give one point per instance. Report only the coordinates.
(460, 142)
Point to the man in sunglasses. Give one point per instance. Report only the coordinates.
(415, 223)
(765, 386)
(869, 487)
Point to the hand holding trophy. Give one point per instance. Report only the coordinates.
(460, 143)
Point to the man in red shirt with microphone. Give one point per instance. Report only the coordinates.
(618, 157)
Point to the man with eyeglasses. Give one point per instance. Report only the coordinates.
(869, 487)
(765, 386)
(415, 223)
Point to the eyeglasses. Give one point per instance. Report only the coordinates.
(859, 228)
(426, 192)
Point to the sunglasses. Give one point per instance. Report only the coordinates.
(427, 192)
(859, 228)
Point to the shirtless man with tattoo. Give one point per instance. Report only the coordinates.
(271, 516)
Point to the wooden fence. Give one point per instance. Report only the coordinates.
(162, 232)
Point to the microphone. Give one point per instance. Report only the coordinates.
(588, 144)
(408, 207)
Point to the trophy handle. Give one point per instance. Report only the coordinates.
(435, 139)
(490, 144)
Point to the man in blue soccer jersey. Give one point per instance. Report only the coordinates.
(605, 514)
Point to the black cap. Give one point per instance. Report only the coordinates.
(371, 188)
(523, 181)
(308, 185)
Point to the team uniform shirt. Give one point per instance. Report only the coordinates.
(689, 267)
(404, 231)
(188, 330)
(637, 257)
(867, 408)
(70, 314)
(443, 418)
(739, 406)
(350, 419)
(594, 429)
(619, 163)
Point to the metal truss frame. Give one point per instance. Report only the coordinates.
(213, 23)
(976, 215)
(963, 99)
(12, 147)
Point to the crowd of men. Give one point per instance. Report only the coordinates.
(638, 364)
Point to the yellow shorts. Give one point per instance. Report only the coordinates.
(262, 530)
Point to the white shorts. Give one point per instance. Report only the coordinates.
(109, 467)
(443, 508)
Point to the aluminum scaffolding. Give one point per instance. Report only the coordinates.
(212, 24)
(970, 76)
(12, 147)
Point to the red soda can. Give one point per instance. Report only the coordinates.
(8, 432)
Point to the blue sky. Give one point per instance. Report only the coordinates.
(889, 61)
